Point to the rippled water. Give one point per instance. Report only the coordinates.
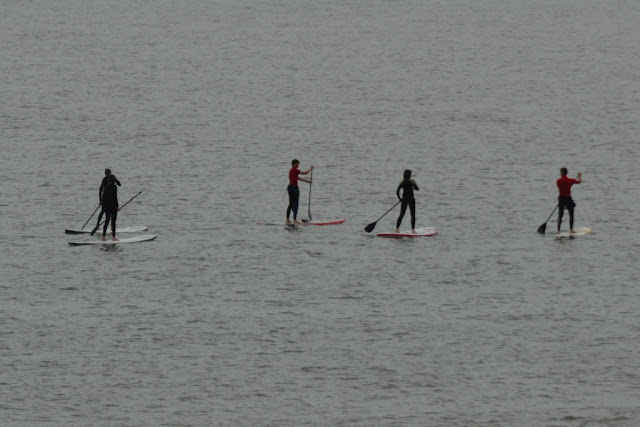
(201, 105)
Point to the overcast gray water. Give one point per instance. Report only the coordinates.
(201, 105)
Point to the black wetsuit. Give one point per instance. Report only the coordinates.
(100, 195)
(110, 208)
(565, 202)
(294, 199)
(407, 187)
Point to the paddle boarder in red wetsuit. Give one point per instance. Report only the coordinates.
(564, 184)
(294, 191)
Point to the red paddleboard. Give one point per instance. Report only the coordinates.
(335, 221)
(308, 222)
(420, 232)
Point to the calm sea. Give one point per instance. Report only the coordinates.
(201, 105)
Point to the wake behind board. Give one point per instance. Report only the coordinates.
(582, 231)
(420, 232)
(135, 239)
(132, 229)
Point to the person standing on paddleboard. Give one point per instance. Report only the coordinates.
(564, 184)
(407, 186)
(110, 206)
(294, 191)
(107, 173)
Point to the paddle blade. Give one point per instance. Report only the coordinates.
(369, 228)
(542, 228)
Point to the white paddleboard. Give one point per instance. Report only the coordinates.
(135, 239)
(420, 232)
(582, 231)
(132, 229)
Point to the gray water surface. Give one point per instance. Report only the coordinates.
(201, 105)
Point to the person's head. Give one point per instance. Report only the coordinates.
(295, 163)
(111, 179)
(407, 174)
(107, 172)
(564, 171)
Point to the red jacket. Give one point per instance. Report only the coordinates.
(564, 185)
(293, 176)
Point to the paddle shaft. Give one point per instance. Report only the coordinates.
(94, 212)
(554, 209)
(397, 203)
(543, 227)
(369, 228)
(102, 222)
(140, 192)
(309, 205)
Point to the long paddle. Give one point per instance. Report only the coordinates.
(543, 227)
(309, 206)
(101, 222)
(369, 228)
(94, 212)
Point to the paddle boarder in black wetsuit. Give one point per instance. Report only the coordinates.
(294, 191)
(107, 173)
(407, 186)
(110, 206)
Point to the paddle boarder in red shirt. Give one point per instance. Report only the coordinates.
(564, 184)
(294, 191)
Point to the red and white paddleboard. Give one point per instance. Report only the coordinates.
(308, 222)
(420, 232)
(314, 222)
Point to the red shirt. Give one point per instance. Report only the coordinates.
(293, 176)
(564, 185)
